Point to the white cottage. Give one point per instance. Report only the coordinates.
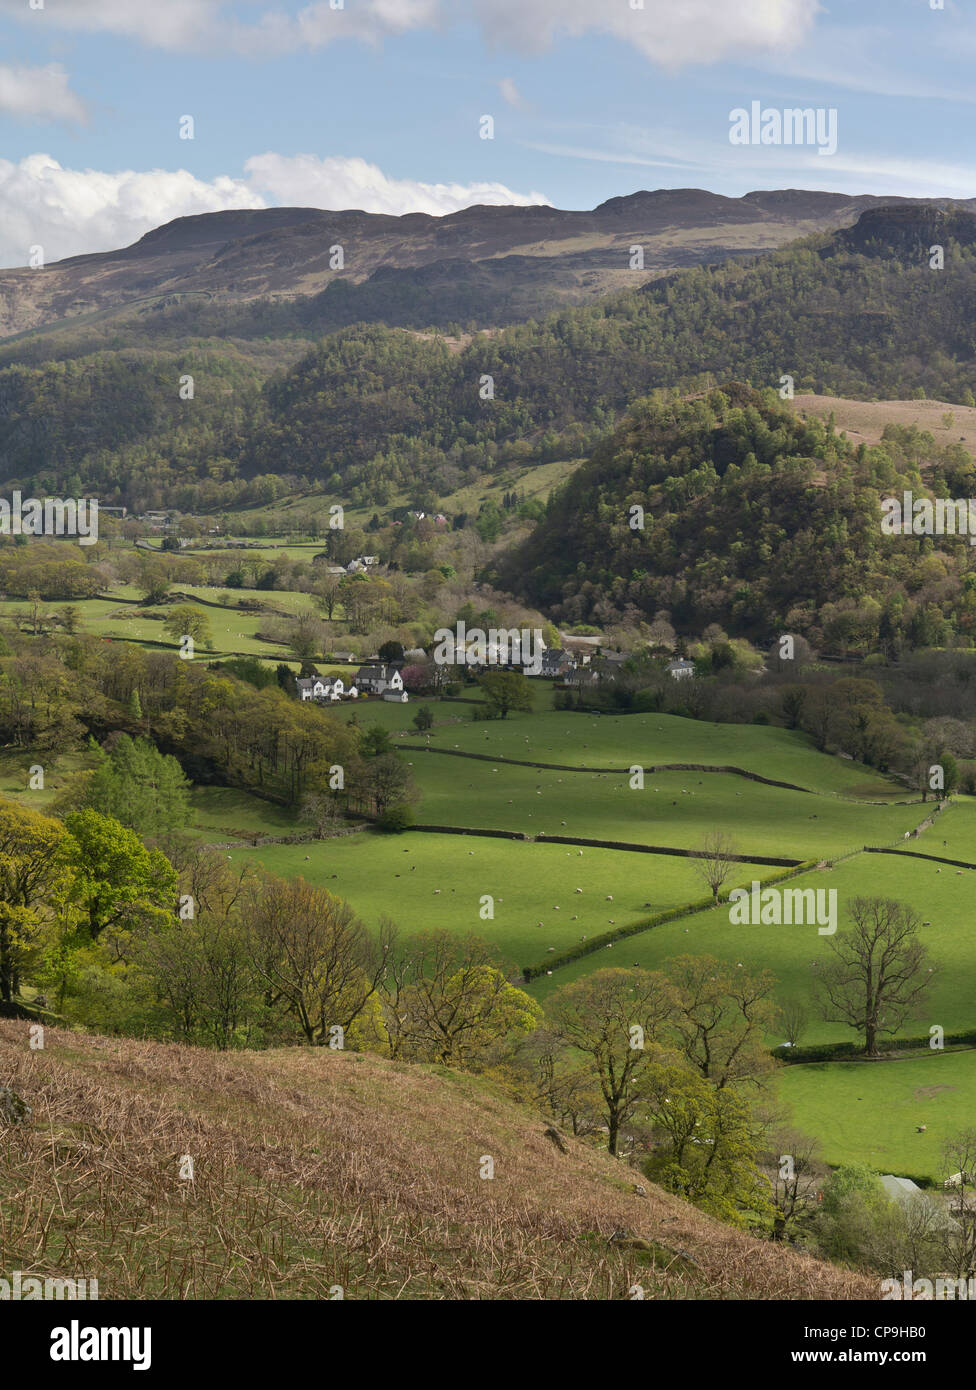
(377, 680)
(320, 688)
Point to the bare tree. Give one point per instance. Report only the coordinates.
(798, 1176)
(616, 1019)
(314, 957)
(560, 1080)
(794, 1018)
(322, 811)
(713, 863)
(448, 999)
(879, 973)
(201, 972)
(722, 1016)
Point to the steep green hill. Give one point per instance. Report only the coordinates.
(752, 518)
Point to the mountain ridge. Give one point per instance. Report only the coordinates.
(238, 256)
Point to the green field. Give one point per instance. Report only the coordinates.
(224, 813)
(15, 765)
(397, 876)
(954, 833)
(867, 1112)
(944, 900)
(676, 809)
(121, 616)
(622, 741)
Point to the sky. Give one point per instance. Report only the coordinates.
(381, 105)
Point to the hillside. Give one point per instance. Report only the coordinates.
(754, 517)
(492, 264)
(314, 1169)
(372, 411)
(372, 405)
(864, 422)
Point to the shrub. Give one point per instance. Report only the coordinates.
(395, 819)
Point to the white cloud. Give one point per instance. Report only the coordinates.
(608, 156)
(368, 20)
(305, 180)
(222, 25)
(173, 24)
(669, 32)
(72, 211)
(39, 94)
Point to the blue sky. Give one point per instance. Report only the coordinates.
(377, 103)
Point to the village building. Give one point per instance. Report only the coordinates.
(680, 669)
(377, 680)
(323, 688)
(557, 664)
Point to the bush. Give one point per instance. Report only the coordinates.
(395, 820)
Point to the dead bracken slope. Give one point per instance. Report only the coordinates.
(318, 1171)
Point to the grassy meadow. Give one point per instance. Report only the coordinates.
(622, 741)
(546, 898)
(868, 1112)
(674, 809)
(425, 882)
